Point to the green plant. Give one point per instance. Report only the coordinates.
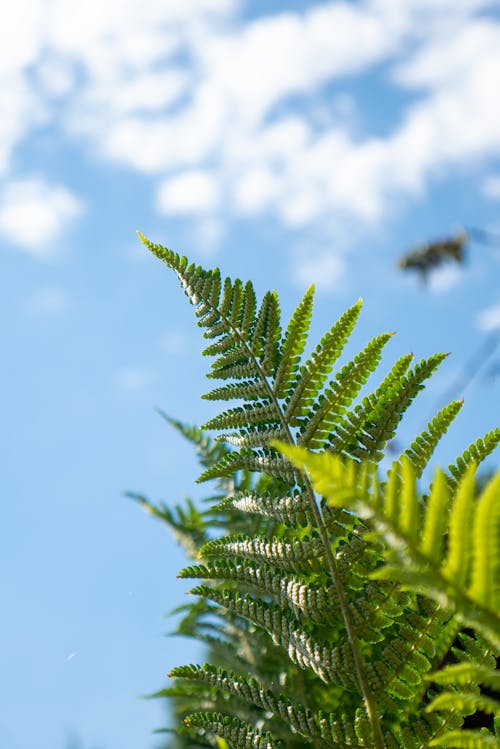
(321, 619)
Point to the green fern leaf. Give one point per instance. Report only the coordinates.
(466, 740)
(485, 576)
(332, 665)
(339, 395)
(353, 434)
(238, 734)
(288, 554)
(408, 562)
(259, 413)
(475, 454)
(436, 518)
(293, 345)
(318, 603)
(312, 375)
(304, 722)
(466, 702)
(422, 448)
(292, 511)
(247, 390)
(251, 460)
(457, 563)
(465, 673)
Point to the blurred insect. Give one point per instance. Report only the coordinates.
(428, 257)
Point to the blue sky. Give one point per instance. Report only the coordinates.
(284, 141)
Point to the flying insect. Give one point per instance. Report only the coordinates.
(432, 255)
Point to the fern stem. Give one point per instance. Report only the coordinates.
(370, 707)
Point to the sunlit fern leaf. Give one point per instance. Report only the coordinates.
(246, 390)
(305, 722)
(460, 522)
(332, 665)
(474, 454)
(251, 460)
(405, 655)
(293, 345)
(293, 510)
(419, 731)
(423, 446)
(390, 404)
(239, 735)
(275, 585)
(485, 574)
(465, 739)
(467, 702)
(287, 554)
(266, 333)
(466, 697)
(319, 603)
(352, 430)
(252, 436)
(462, 674)
(312, 375)
(339, 395)
(263, 412)
(467, 579)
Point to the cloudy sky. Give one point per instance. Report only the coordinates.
(291, 142)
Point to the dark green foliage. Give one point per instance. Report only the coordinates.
(325, 625)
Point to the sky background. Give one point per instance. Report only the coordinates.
(289, 142)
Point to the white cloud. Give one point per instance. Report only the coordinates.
(33, 214)
(190, 192)
(21, 110)
(489, 318)
(324, 270)
(445, 278)
(257, 189)
(491, 187)
(203, 101)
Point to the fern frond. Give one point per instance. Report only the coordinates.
(423, 446)
(462, 674)
(466, 702)
(466, 579)
(354, 427)
(238, 734)
(293, 345)
(319, 603)
(292, 511)
(312, 375)
(303, 721)
(261, 413)
(332, 665)
(365, 433)
(475, 454)
(251, 460)
(253, 436)
(292, 554)
(347, 593)
(485, 573)
(249, 390)
(339, 395)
